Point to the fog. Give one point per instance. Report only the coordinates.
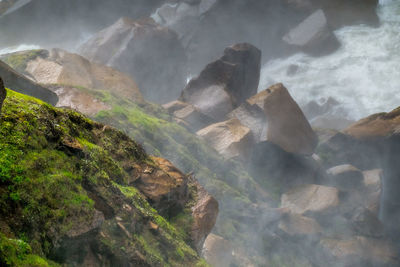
(358, 67)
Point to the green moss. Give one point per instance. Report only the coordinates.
(14, 252)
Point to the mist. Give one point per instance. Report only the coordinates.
(260, 101)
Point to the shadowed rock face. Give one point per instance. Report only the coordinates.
(287, 125)
(226, 83)
(3, 93)
(150, 53)
(19, 83)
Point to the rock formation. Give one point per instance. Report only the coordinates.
(150, 53)
(287, 125)
(226, 83)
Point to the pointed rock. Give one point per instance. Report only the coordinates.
(287, 125)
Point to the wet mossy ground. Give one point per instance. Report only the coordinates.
(58, 169)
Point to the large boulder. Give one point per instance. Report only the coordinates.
(287, 125)
(188, 115)
(345, 177)
(19, 83)
(3, 93)
(311, 199)
(230, 138)
(226, 83)
(170, 192)
(61, 67)
(313, 35)
(150, 53)
(217, 251)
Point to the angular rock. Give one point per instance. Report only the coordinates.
(64, 68)
(150, 53)
(3, 93)
(192, 118)
(217, 251)
(313, 199)
(253, 117)
(230, 138)
(226, 83)
(204, 213)
(345, 177)
(287, 125)
(167, 189)
(19, 83)
(313, 35)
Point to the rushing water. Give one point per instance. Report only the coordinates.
(363, 75)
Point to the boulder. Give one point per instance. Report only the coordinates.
(226, 83)
(3, 93)
(204, 213)
(217, 251)
(253, 117)
(19, 83)
(313, 35)
(345, 177)
(287, 125)
(190, 116)
(61, 67)
(150, 53)
(230, 138)
(379, 125)
(311, 199)
(170, 191)
(359, 251)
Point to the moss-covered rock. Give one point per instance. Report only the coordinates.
(66, 191)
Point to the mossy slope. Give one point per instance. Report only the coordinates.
(64, 183)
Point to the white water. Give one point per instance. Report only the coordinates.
(364, 75)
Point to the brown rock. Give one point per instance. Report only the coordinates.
(230, 138)
(3, 93)
(165, 188)
(150, 53)
(192, 118)
(377, 125)
(217, 251)
(311, 199)
(63, 68)
(287, 125)
(205, 213)
(226, 83)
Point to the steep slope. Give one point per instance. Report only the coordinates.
(67, 190)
